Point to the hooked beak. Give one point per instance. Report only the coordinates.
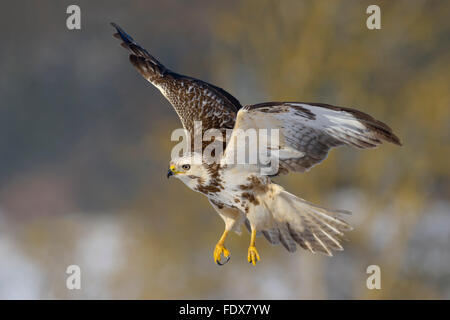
(171, 171)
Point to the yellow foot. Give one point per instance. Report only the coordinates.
(218, 251)
(253, 255)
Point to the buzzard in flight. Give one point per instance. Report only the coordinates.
(243, 193)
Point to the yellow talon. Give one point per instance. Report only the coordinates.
(253, 255)
(218, 251)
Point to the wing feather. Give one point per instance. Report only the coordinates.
(192, 99)
(309, 130)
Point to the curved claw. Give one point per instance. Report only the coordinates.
(220, 250)
(226, 261)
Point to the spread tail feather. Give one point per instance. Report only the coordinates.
(313, 228)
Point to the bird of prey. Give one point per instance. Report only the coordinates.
(242, 194)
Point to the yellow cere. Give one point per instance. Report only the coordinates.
(172, 168)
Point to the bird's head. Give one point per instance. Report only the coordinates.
(189, 169)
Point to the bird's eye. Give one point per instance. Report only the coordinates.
(186, 167)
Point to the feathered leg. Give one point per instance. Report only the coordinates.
(233, 219)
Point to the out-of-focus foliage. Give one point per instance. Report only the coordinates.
(86, 143)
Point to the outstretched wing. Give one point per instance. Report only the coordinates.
(193, 99)
(307, 131)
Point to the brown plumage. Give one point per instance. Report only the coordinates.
(192, 99)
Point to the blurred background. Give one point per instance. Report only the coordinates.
(85, 145)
